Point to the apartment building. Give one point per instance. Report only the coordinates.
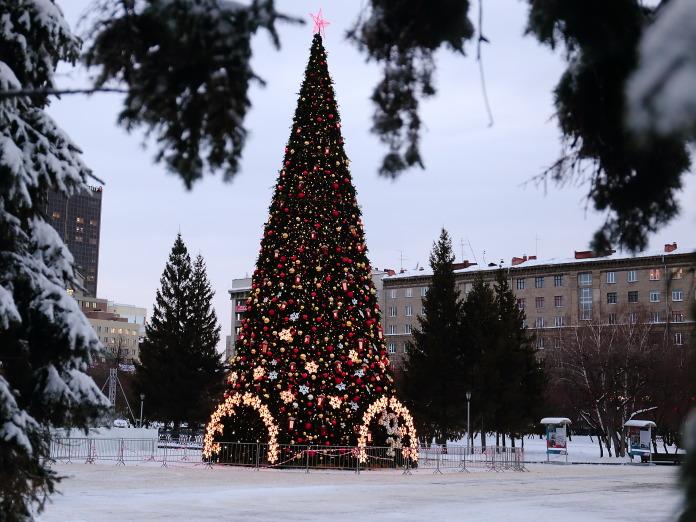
(242, 287)
(120, 334)
(77, 219)
(658, 287)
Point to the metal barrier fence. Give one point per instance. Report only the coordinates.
(290, 456)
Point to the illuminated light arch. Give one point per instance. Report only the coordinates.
(226, 409)
(382, 405)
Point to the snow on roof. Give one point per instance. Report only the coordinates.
(617, 256)
(555, 420)
(636, 423)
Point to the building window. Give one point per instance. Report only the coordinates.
(654, 296)
(559, 321)
(80, 220)
(392, 348)
(520, 284)
(392, 293)
(539, 322)
(424, 291)
(409, 292)
(677, 295)
(633, 296)
(407, 329)
(538, 282)
(558, 301)
(585, 278)
(558, 280)
(611, 278)
(93, 222)
(677, 273)
(540, 343)
(632, 276)
(654, 274)
(405, 347)
(391, 329)
(678, 338)
(678, 316)
(612, 298)
(55, 215)
(586, 304)
(78, 239)
(611, 319)
(521, 303)
(655, 317)
(539, 301)
(422, 310)
(633, 317)
(392, 311)
(409, 311)
(525, 324)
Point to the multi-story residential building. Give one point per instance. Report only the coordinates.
(240, 291)
(77, 220)
(120, 334)
(562, 293)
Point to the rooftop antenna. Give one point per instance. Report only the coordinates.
(536, 245)
(484, 257)
(401, 260)
(472, 251)
(461, 244)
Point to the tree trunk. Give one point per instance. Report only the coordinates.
(504, 440)
(497, 439)
(601, 449)
(483, 437)
(512, 441)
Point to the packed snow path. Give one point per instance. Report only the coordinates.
(548, 492)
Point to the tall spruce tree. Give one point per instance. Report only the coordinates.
(46, 343)
(179, 370)
(204, 332)
(522, 376)
(480, 355)
(433, 386)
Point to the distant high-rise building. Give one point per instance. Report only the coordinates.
(77, 220)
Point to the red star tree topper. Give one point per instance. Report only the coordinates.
(311, 349)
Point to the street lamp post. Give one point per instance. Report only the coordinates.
(468, 421)
(142, 399)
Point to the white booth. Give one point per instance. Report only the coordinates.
(556, 436)
(639, 438)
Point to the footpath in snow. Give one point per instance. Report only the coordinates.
(105, 492)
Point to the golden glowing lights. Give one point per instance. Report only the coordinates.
(382, 405)
(226, 409)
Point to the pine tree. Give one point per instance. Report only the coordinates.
(204, 332)
(164, 365)
(522, 377)
(46, 343)
(311, 356)
(433, 386)
(480, 355)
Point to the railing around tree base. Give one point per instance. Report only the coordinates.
(436, 459)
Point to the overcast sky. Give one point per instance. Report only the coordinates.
(473, 184)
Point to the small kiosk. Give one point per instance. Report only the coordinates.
(556, 441)
(639, 438)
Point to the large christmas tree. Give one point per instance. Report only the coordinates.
(312, 365)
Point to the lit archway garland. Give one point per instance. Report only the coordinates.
(226, 409)
(379, 406)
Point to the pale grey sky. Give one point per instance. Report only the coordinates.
(473, 184)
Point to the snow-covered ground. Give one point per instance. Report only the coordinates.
(570, 493)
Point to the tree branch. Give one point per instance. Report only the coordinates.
(57, 92)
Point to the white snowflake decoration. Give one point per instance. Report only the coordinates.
(304, 390)
(341, 386)
(273, 375)
(294, 316)
(354, 406)
(359, 373)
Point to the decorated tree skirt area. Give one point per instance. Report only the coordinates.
(106, 492)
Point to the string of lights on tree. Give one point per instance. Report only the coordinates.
(311, 347)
